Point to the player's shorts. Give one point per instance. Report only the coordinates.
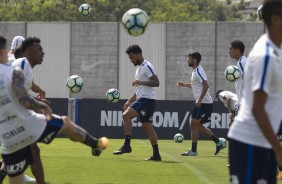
(51, 130)
(17, 162)
(145, 107)
(251, 164)
(203, 112)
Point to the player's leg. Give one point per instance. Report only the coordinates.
(63, 125)
(194, 129)
(151, 133)
(17, 179)
(37, 167)
(16, 164)
(127, 116)
(78, 134)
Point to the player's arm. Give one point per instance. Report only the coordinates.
(36, 89)
(184, 84)
(259, 101)
(204, 91)
(153, 82)
(24, 98)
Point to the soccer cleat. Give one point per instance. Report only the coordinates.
(102, 144)
(221, 145)
(279, 175)
(154, 158)
(189, 153)
(122, 150)
(29, 179)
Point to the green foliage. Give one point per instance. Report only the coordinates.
(113, 10)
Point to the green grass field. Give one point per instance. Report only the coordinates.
(66, 162)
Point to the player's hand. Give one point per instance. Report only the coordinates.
(136, 83)
(41, 94)
(231, 116)
(126, 105)
(47, 111)
(180, 83)
(198, 103)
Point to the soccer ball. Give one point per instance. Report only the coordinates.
(112, 95)
(135, 21)
(74, 83)
(85, 9)
(223, 141)
(259, 12)
(178, 138)
(232, 73)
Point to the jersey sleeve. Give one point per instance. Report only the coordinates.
(202, 76)
(262, 72)
(149, 70)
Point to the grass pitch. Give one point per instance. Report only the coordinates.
(66, 162)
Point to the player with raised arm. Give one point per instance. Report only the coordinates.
(203, 106)
(254, 149)
(21, 126)
(142, 103)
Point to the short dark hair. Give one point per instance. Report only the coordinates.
(3, 43)
(134, 49)
(195, 55)
(237, 44)
(18, 53)
(29, 42)
(271, 8)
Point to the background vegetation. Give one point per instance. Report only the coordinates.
(112, 10)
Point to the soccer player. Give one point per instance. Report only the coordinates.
(16, 43)
(229, 100)
(236, 51)
(32, 55)
(21, 126)
(142, 103)
(203, 106)
(254, 149)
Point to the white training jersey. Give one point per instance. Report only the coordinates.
(19, 127)
(232, 96)
(263, 72)
(143, 73)
(11, 59)
(24, 64)
(239, 83)
(197, 78)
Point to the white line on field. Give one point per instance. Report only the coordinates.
(201, 176)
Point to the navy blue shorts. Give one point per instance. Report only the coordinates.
(203, 112)
(251, 164)
(145, 107)
(51, 130)
(17, 162)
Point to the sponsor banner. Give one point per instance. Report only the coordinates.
(170, 117)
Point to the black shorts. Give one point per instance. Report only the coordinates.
(51, 130)
(251, 164)
(17, 162)
(145, 107)
(203, 112)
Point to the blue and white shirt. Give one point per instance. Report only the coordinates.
(143, 73)
(239, 83)
(24, 64)
(263, 72)
(197, 78)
